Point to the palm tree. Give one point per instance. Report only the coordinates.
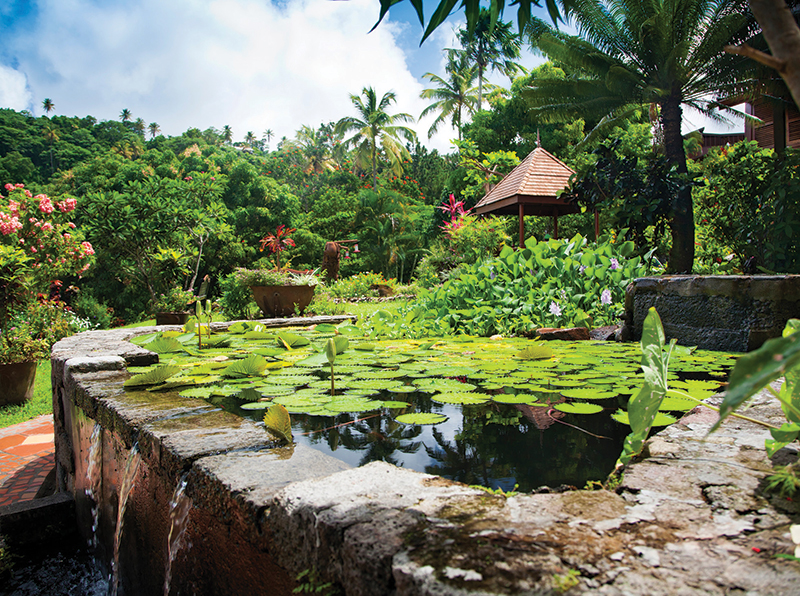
(250, 139)
(268, 134)
(227, 133)
(491, 45)
(454, 94)
(125, 115)
(666, 53)
(139, 127)
(154, 129)
(376, 127)
(316, 148)
(48, 105)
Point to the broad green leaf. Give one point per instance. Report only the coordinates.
(292, 340)
(155, 376)
(341, 343)
(536, 352)
(256, 405)
(141, 340)
(251, 366)
(277, 420)
(579, 408)
(421, 418)
(163, 345)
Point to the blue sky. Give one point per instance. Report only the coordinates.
(251, 64)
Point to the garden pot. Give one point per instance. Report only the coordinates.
(172, 318)
(282, 301)
(16, 382)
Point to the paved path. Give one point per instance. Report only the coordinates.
(27, 456)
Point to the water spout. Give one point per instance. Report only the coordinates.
(179, 508)
(131, 467)
(94, 473)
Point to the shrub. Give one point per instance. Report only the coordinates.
(359, 285)
(237, 299)
(98, 314)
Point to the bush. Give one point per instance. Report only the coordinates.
(359, 286)
(88, 307)
(237, 299)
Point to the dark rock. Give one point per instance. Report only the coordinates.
(607, 333)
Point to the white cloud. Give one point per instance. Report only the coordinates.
(246, 63)
(14, 92)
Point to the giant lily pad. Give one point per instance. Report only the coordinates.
(422, 418)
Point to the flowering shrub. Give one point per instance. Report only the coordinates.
(43, 230)
(29, 333)
(359, 285)
(175, 300)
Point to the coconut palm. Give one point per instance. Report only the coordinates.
(250, 139)
(125, 115)
(375, 130)
(48, 105)
(316, 147)
(227, 133)
(454, 94)
(667, 53)
(268, 134)
(154, 129)
(139, 126)
(491, 45)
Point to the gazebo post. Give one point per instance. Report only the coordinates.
(596, 225)
(555, 224)
(521, 225)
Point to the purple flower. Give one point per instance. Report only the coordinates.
(605, 297)
(555, 309)
(581, 268)
(614, 264)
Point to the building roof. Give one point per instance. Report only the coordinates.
(534, 183)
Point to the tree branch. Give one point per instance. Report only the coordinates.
(758, 56)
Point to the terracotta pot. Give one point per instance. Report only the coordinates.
(282, 301)
(16, 382)
(172, 318)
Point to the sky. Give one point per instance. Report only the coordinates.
(250, 64)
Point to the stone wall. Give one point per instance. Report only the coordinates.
(715, 312)
(688, 519)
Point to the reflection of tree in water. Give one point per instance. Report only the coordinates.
(460, 460)
(378, 437)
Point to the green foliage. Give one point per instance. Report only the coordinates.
(550, 283)
(277, 420)
(247, 278)
(310, 583)
(498, 492)
(88, 307)
(643, 407)
(237, 299)
(566, 581)
(174, 300)
(784, 481)
(749, 203)
(359, 285)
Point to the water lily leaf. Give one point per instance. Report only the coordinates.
(258, 335)
(251, 366)
(141, 340)
(403, 389)
(379, 374)
(375, 384)
(313, 361)
(579, 408)
(256, 405)
(325, 328)
(364, 347)
(163, 345)
(292, 340)
(197, 392)
(268, 351)
(348, 329)
(155, 376)
(291, 380)
(341, 343)
(278, 421)
(239, 327)
(587, 393)
(396, 404)
(676, 404)
(249, 394)
(461, 398)
(661, 418)
(451, 371)
(421, 418)
(511, 398)
(538, 352)
(273, 390)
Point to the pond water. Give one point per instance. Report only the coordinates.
(497, 413)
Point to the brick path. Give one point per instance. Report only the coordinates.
(27, 456)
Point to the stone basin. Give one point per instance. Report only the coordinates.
(689, 518)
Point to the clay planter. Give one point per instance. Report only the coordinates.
(282, 301)
(16, 382)
(172, 318)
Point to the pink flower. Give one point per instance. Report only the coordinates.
(18, 185)
(71, 225)
(67, 236)
(9, 187)
(87, 248)
(33, 249)
(45, 205)
(67, 205)
(47, 226)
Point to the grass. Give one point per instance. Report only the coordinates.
(42, 400)
(40, 403)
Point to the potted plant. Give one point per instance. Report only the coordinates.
(172, 308)
(278, 292)
(39, 246)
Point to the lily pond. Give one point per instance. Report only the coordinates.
(496, 413)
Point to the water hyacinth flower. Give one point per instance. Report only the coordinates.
(614, 264)
(605, 297)
(555, 309)
(581, 268)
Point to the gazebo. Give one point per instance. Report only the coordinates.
(531, 189)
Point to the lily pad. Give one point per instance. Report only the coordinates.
(661, 419)
(579, 408)
(461, 398)
(422, 418)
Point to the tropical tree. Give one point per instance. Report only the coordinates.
(227, 133)
(316, 147)
(491, 45)
(125, 115)
(139, 126)
(375, 130)
(48, 105)
(250, 139)
(453, 95)
(154, 129)
(664, 53)
(51, 136)
(268, 134)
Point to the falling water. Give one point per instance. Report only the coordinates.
(131, 467)
(179, 508)
(94, 473)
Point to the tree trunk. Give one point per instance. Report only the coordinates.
(783, 36)
(681, 224)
